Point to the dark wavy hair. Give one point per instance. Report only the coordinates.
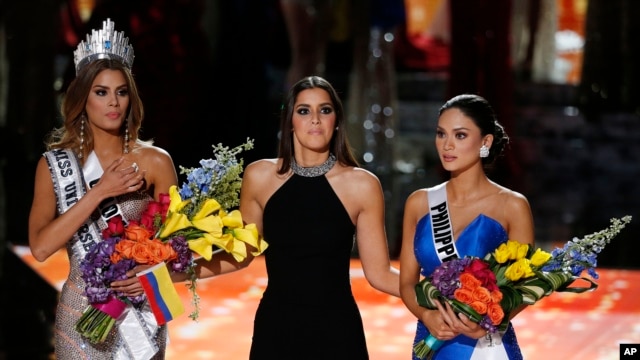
(481, 112)
(339, 145)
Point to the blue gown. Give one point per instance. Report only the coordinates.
(480, 237)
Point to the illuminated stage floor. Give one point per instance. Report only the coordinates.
(563, 326)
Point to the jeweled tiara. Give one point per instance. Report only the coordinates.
(104, 44)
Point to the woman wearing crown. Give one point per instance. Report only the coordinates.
(95, 168)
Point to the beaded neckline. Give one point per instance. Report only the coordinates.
(313, 171)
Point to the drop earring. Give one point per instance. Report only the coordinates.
(126, 136)
(484, 151)
(82, 117)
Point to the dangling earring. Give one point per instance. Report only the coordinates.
(484, 151)
(337, 128)
(82, 117)
(126, 136)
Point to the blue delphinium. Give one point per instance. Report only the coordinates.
(578, 254)
(217, 179)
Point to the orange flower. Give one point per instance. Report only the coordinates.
(136, 232)
(160, 251)
(496, 296)
(481, 294)
(464, 295)
(495, 313)
(123, 250)
(479, 306)
(468, 281)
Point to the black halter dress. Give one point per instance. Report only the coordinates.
(308, 310)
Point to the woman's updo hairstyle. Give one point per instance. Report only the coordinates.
(480, 111)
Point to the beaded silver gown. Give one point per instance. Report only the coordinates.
(69, 345)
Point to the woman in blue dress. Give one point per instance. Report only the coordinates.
(481, 214)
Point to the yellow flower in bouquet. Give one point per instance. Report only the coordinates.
(514, 273)
(204, 210)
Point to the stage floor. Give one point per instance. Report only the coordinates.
(563, 326)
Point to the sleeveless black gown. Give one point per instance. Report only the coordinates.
(308, 310)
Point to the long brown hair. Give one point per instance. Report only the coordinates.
(75, 101)
(339, 145)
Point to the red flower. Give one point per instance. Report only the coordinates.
(115, 227)
(481, 271)
(155, 213)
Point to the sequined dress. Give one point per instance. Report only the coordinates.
(308, 310)
(481, 236)
(69, 345)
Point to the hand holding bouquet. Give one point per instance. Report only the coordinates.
(203, 211)
(487, 290)
(195, 219)
(122, 249)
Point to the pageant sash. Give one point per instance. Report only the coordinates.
(490, 347)
(92, 173)
(441, 224)
(69, 186)
(136, 328)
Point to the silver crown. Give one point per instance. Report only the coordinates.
(104, 44)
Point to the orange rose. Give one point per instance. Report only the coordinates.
(141, 254)
(137, 233)
(468, 281)
(481, 294)
(495, 313)
(463, 295)
(125, 248)
(160, 251)
(479, 306)
(496, 296)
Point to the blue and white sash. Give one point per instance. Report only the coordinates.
(137, 328)
(489, 347)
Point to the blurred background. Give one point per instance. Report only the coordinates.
(562, 75)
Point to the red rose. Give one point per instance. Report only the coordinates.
(115, 227)
(153, 208)
(147, 220)
(480, 269)
(165, 201)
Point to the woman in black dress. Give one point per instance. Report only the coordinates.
(312, 204)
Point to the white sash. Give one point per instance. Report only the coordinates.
(69, 187)
(136, 328)
(489, 347)
(441, 231)
(92, 173)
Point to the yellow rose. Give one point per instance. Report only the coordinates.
(501, 254)
(518, 270)
(540, 257)
(516, 250)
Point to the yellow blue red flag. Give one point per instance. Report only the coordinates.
(161, 293)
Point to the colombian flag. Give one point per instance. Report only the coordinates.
(161, 293)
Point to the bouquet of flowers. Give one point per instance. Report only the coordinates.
(203, 211)
(122, 249)
(194, 219)
(488, 289)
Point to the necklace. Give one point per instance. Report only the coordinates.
(313, 171)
